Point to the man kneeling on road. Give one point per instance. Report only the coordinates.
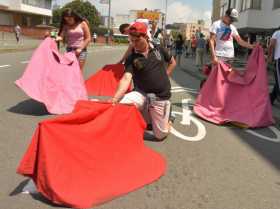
(146, 66)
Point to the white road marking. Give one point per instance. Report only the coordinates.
(179, 89)
(187, 118)
(273, 129)
(24, 62)
(5, 66)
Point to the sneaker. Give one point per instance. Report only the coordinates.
(149, 127)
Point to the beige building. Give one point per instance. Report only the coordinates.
(192, 29)
(25, 12)
(257, 17)
(216, 10)
(33, 16)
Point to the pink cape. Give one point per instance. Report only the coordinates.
(229, 97)
(105, 81)
(88, 157)
(53, 79)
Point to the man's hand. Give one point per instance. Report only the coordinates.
(120, 62)
(269, 59)
(252, 46)
(215, 61)
(113, 100)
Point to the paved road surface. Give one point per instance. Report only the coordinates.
(228, 168)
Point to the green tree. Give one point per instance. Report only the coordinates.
(83, 8)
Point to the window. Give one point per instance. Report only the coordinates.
(256, 4)
(233, 3)
(46, 4)
(250, 4)
(276, 4)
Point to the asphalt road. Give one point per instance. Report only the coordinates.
(213, 167)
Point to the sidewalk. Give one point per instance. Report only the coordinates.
(8, 43)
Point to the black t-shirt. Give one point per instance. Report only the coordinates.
(149, 74)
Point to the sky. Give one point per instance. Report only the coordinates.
(177, 10)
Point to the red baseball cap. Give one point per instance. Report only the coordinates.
(138, 28)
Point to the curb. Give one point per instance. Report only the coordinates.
(8, 50)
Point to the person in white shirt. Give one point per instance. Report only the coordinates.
(222, 33)
(274, 48)
(17, 30)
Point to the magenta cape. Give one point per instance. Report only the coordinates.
(88, 157)
(229, 97)
(53, 79)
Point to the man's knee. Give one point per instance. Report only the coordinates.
(161, 135)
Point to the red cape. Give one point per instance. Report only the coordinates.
(90, 156)
(105, 81)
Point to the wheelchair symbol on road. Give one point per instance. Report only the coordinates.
(188, 118)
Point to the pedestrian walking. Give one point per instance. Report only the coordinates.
(75, 31)
(17, 30)
(94, 37)
(274, 49)
(179, 45)
(193, 45)
(200, 49)
(149, 68)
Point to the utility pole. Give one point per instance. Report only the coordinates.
(229, 4)
(109, 23)
(165, 22)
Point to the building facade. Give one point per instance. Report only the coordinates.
(105, 19)
(194, 29)
(216, 10)
(29, 14)
(258, 17)
(152, 15)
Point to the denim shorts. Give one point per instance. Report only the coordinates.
(179, 51)
(83, 54)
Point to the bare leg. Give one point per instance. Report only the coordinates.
(82, 64)
(179, 60)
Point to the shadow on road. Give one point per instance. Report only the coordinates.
(266, 143)
(36, 196)
(29, 107)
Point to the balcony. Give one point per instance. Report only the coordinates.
(38, 7)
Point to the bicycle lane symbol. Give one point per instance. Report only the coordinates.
(188, 118)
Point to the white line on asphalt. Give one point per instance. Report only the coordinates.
(187, 118)
(3, 66)
(24, 62)
(273, 129)
(178, 89)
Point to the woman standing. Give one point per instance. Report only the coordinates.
(75, 31)
(179, 44)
